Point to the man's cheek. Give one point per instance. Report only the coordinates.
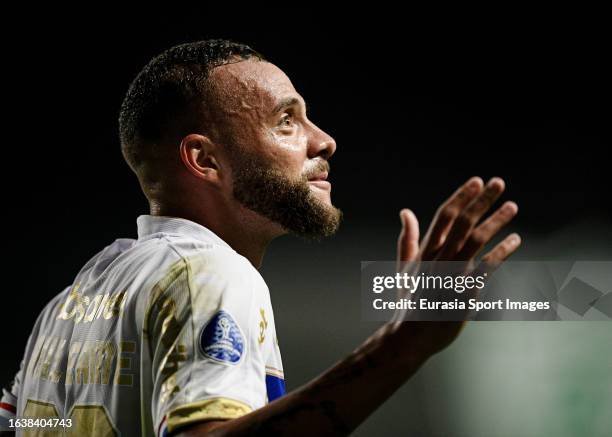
(293, 144)
(287, 160)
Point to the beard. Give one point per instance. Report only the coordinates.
(281, 199)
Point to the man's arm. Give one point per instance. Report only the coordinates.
(337, 401)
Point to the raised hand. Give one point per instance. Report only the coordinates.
(457, 234)
(454, 234)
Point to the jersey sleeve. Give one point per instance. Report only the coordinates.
(8, 402)
(205, 363)
(10, 393)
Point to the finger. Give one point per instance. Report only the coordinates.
(470, 216)
(499, 253)
(446, 215)
(494, 258)
(487, 230)
(408, 241)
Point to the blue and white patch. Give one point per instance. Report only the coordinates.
(221, 339)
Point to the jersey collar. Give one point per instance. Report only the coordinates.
(150, 224)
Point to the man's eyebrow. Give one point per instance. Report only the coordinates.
(285, 103)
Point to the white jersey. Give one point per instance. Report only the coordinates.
(154, 334)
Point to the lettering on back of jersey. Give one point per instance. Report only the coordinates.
(81, 308)
(221, 339)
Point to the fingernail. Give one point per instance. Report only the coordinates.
(496, 181)
(515, 239)
(510, 207)
(474, 184)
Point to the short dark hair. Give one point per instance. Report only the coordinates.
(168, 93)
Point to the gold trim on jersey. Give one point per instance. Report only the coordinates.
(274, 372)
(208, 409)
(263, 325)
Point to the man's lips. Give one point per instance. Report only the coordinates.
(319, 177)
(319, 180)
(321, 184)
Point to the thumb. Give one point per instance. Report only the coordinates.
(408, 241)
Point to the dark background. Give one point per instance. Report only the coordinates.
(415, 111)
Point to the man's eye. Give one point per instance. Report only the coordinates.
(286, 121)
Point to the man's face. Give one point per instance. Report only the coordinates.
(278, 157)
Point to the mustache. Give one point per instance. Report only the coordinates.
(320, 166)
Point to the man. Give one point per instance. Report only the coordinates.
(174, 333)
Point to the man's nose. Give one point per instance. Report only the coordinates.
(320, 144)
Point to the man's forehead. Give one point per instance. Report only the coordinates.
(252, 82)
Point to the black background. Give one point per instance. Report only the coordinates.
(415, 111)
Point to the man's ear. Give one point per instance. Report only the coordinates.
(198, 155)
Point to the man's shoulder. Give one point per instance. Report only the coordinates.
(203, 278)
(202, 262)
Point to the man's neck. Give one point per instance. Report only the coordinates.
(243, 234)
